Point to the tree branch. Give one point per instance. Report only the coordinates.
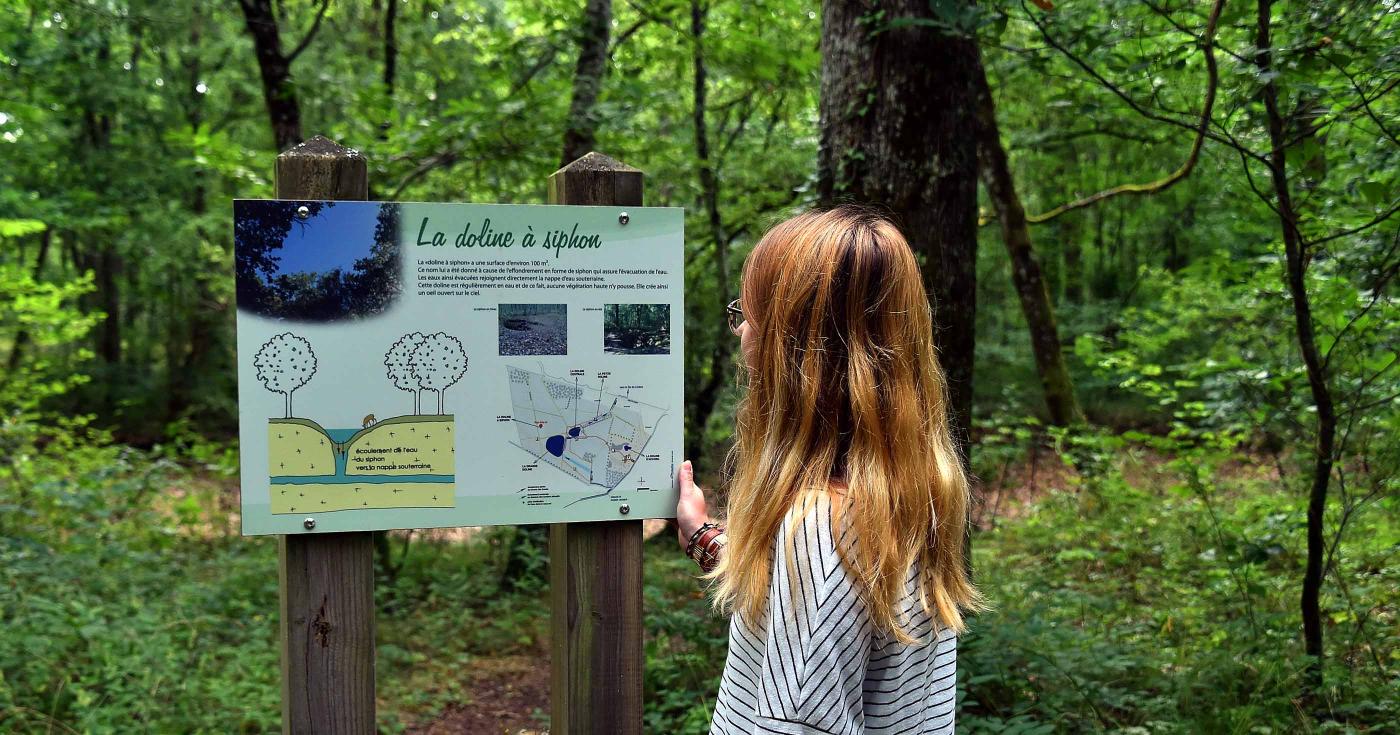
(1134, 104)
(310, 34)
(622, 37)
(1383, 216)
(1202, 129)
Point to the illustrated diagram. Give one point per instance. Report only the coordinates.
(405, 461)
(591, 435)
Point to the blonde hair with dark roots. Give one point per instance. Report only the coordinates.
(846, 386)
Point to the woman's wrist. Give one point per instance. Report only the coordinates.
(705, 546)
(688, 527)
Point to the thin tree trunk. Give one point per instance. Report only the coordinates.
(708, 395)
(1025, 269)
(206, 318)
(1296, 259)
(588, 80)
(276, 69)
(22, 336)
(109, 338)
(391, 47)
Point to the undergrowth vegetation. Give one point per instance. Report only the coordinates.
(1159, 597)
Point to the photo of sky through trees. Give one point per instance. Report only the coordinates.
(328, 262)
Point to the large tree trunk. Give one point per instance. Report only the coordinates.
(588, 80)
(1297, 266)
(1025, 269)
(897, 127)
(276, 68)
(898, 121)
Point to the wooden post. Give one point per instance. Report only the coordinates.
(595, 569)
(327, 579)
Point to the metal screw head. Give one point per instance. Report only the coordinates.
(624, 509)
(303, 212)
(623, 218)
(309, 523)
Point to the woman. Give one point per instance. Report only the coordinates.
(841, 557)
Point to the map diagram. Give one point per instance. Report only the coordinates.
(592, 435)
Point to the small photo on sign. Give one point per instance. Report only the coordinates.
(637, 329)
(533, 329)
(316, 262)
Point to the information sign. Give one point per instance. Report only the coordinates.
(414, 365)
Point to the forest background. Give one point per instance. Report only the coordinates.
(1160, 235)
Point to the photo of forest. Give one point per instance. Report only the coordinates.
(533, 329)
(316, 261)
(637, 329)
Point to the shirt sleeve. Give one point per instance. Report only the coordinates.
(817, 639)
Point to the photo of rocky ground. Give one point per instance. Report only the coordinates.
(533, 329)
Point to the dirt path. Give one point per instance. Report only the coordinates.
(510, 696)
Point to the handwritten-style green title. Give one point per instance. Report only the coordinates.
(483, 236)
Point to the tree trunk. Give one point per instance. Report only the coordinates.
(1025, 269)
(897, 126)
(588, 80)
(203, 358)
(22, 336)
(1296, 259)
(897, 129)
(109, 338)
(391, 47)
(708, 394)
(276, 69)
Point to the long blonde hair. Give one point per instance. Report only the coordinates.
(846, 386)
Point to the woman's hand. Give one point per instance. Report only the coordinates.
(690, 510)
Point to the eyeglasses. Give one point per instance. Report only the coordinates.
(735, 315)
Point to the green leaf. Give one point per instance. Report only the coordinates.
(20, 227)
(1374, 192)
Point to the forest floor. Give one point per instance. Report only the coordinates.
(508, 692)
(1171, 579)
(510, 695)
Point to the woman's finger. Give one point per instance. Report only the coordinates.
(687, 474)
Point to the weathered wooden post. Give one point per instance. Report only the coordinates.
(595, 569)
(327, 580)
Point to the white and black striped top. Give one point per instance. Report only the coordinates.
(819, 669)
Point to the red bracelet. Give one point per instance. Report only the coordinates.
(709, 546)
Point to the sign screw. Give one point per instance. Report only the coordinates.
(623, 218)
(624, 509)
(309, 523)
(303, 212)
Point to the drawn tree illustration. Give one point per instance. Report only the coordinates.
(284, 364)
(396, 360)
(438, 363)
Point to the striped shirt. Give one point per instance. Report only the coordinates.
(819, 668)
